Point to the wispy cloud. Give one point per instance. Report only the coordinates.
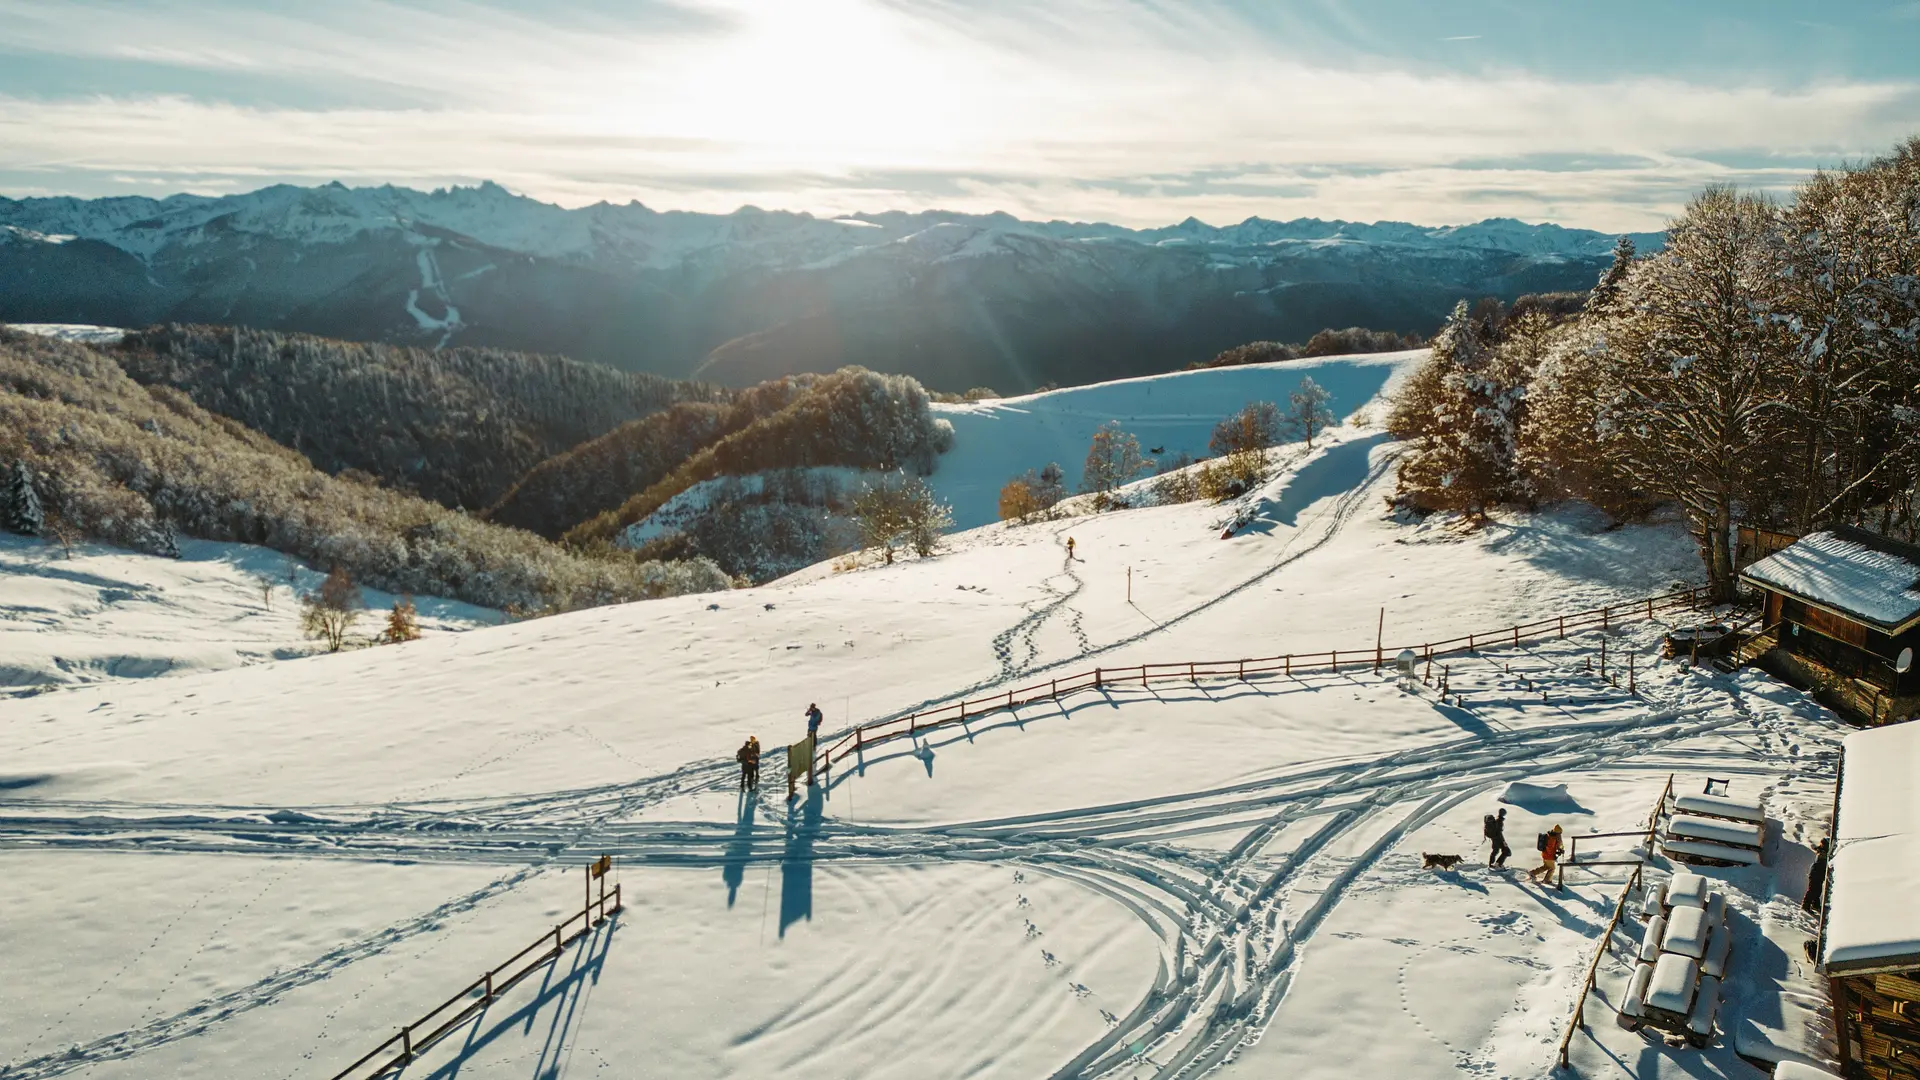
(1139, 114)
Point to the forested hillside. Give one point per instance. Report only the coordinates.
(853, 418)
(600, 474)
(457, 426)
(1763, 367)
(85, 451)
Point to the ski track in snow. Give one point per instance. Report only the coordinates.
(1231, 924)
(1204, 907)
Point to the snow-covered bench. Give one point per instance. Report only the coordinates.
(1722, 806)
(1715, 830)
(1702, 850)
(1687, 890)
(1687, 932)
(1670, 991)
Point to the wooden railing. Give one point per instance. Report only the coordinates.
(1579, 1018)
(913, 724)
(438, 1022)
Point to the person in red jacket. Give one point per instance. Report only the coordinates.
(1549, 855)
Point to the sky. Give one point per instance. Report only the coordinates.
(1137, 112)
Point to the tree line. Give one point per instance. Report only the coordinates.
(1763, 367)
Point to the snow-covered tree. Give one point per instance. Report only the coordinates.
(898, 511)
(1701, 366)
(20, 508)
(1463, 418)
(1113, 459)
(1307, 411)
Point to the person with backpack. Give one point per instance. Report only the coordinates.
(1494, 828)
(1069, 547)
(1550, 847)
(753, 763)
(813, 720)
(744, 756)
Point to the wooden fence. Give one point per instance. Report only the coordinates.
(912, 724)
(1578, 1021)
(477, 995)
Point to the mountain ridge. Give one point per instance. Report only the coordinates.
(955, 300)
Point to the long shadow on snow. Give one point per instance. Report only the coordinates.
(796, 862)
(1339, 470)
(565, 993)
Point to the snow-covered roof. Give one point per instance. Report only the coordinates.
(1855, 573)
(1873, 923)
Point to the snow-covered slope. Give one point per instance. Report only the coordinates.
(285, 862)
(105, 613)
(995, 441)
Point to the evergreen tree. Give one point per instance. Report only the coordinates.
(20, 509)
(1606, 293)
(1464, 419)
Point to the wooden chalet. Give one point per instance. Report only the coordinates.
(1841, 607)
(1870, 937)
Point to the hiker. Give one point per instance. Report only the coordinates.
(744, 756)
(1495, 830)
(1549, 845)
(753, 763)
(1069, 547)
(813, 720)
(1817, 877)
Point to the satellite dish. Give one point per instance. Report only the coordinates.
(1905, 663)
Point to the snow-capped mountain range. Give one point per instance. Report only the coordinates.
(956, 299)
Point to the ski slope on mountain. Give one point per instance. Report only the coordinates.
(283, 863)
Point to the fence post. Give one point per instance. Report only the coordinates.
(859, 739)
(1289, 663)
(1009, 699)
(1096, 678)
(406, 1042)
(1243, 671)
(1054, 685)
(488, 996)
(1605, 613)
(1516, 634)
(1563, 626)
(1143, 674)
(1649, 610)
(1336, 659)
(1470, 647)
(1631, 686)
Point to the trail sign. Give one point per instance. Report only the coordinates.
(599, 867)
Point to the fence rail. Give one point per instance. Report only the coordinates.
(1578, 1020)
(437, 1023)
(912, 724)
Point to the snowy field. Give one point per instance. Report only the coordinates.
(265, 871)
(105, 613)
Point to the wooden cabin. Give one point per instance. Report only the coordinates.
(1842, 605)
(1870, 937)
